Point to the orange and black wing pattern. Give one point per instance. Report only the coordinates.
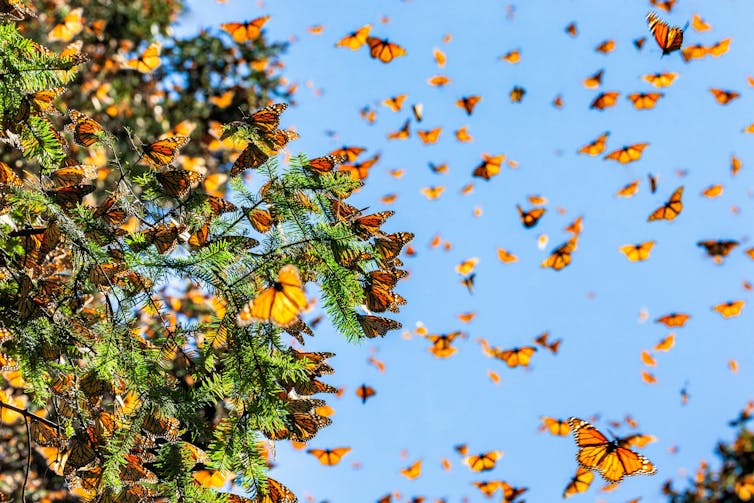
(163, 152)
(85, 131)
(668, 38)
(607, 457)
(280, 303)
(246, 31)
(671, 209)
(384, 50)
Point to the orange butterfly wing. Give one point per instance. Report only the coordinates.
(149, 60)
(669, 210)
(384, 50)
(246, 31)
(356, 39)
(164, 152)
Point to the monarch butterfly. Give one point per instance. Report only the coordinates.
(517, 94)
(85, 131)
(379, 298)
(596, 147)
(223, 100)
(390, 245)
(395, 103)
(724, 97)
(594, 81)
(671, 209)
(552, 346)
(218, 205)
(666, 5)
(483, 462)
(696, 51)
(401, 134)
(369, 225)
(561, 256)
(660, 79)
(148, 61)
(645, 101)
(16, 10)
(164, 236)
(571, 29)
(639, 43)
(468, 282)
(627, 154)
(384, 50)
(719, 48)
(489, 167)
(488, 488)
(628, 190)
(606, 47)
(360, 170)
(325, 164)
(713, 191)
(412, 472)
(518, 356)
(251, 157)
(164, 152)
(280, 303)
(246, 31)
(468, 103)
(638, 252)
(329, 457)
(668, 38)
(718, 249)
(70, 196)
(73, 175)
(365, 392)
(730, 309)
(351, 153)
(605, 100)
(673, 319)
(652, 182)
(42, 101)
(558, 427)
(275, 493)
(8, 176)
(531, 217)
(70, 27)
(177, 182)
(510, 493)
(609, 457)
(438, 80)
(579, 483)
(429, 136)
(355, 39)
(442, 344)
(374, 326)
(267, 119)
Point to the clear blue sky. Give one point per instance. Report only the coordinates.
(425, 405)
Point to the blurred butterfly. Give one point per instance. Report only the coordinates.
(375, 326)
(730, 309)
(594, 81)
(462, 134)
(639, 42)
(561, 256)
(16, 10)
(517, 94)
(395, 103)
(85, 131)
(668, 38)
(355, 39)
(627, 154)
(558, 101)
(553, 346)
(512, 57)
(246, 31)
(70, 27)
(628, 190)
(483, 462)
(489, 167)
(275, 493)
(360, 170)
(719, 48)
(442, 344)
(604, 100)
(715, 190)
(402, 133)
(673, 319)
(414, 471)
(351, 153)
(468, 103)
(505, 256)
(418, 111)
(571, 29)
(671, 209)
(645, 101)
(280, 303)
(164, 152)
(612, 460)
(724, 97)
(41, 101)
(177, 182)
(718, 249)
(384, 50)
(660, 79)
(606, 47)
(389, 246)
(329, 457)
(666, 5)
(429, 136)
(468, 282)
(488, 488)
(325, 164)
(596, 147)
(223, 100)
(531, 217)
(638, 252)
(696, 51)
(148, 61)
(518, 356)
(558, 427)
(365, 392)
(438, 80)
(579, 483)
(652, 183)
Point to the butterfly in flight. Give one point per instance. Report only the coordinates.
(670, 209)
(246, 31)
(668, 38)
(384, 50)
(280, 303)
(148, 61)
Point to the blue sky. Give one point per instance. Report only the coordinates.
(424, 405)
